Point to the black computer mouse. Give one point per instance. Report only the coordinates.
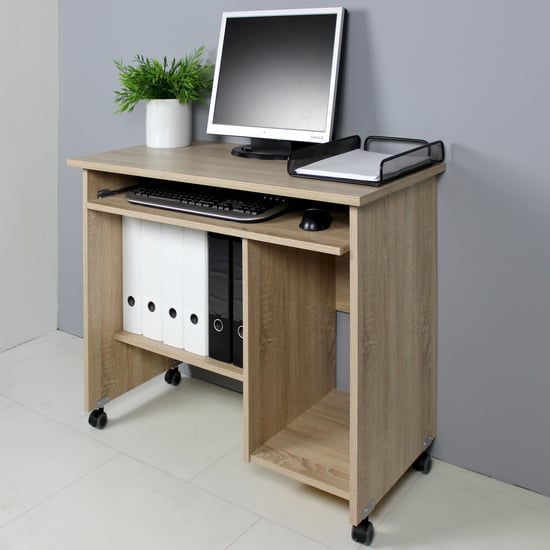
(315, 219)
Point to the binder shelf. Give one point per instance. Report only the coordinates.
(376, 262)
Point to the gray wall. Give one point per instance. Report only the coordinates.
(28, 180)
(474, 74)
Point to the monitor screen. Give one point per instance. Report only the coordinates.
(276, 77)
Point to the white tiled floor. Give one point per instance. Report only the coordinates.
(167, 473)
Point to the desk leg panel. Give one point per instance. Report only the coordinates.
(393, 285)
(111, 368)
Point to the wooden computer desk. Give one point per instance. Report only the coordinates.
(377, 262)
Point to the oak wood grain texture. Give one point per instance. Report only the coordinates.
(211, 163)
(290, 328)
(248, 414)
(201, 361)
(111, 368)
(341, 266)
(393, 339)
(314, 448)
(283, 230)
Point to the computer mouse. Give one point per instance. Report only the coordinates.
(315, 219)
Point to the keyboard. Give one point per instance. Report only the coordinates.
(227, 204)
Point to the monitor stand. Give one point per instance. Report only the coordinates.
(267, 149)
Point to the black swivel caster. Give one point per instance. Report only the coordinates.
(423, 463)
(173, 376)
(363, 533)
(98, 418)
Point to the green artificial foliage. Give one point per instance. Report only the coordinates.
(186, 80)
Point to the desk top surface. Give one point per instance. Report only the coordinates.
(211, 163)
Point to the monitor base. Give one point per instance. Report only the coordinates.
(267, 149)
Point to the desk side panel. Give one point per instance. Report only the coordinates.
(393, 282)
(111, 367)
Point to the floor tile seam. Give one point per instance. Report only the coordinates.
(216, 461)
(193, 484)
(15, 402)
(70, 424)
(303, 535)
(417, 477)
(64, 424)
(238, 537)
(89, 436)
(285, 527)
(227, 501)
(186, 482)
(111, 446)
(57, 492)
(9, 401)
(31, 409)
(260, 517)
(224, 499)
(16, 362)
(38, 352)
(117, 454)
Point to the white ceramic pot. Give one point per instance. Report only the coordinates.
(168, 123)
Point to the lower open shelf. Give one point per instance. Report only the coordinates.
(203, 362)
(313, 448)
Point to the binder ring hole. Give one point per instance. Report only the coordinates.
(218, 325)
(240, 332)
(173, 313)
(131, 301)
(194, 319)
(151, 306)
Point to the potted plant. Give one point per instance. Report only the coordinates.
(169, 88)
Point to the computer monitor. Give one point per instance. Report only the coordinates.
(275, 78)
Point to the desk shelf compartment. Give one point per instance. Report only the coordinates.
(295, 422)
(313, 448)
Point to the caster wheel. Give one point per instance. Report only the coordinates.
(98, 419)
(423, 463)
(172, 376)
(168, 376)
(363, 533)
(176, 379)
